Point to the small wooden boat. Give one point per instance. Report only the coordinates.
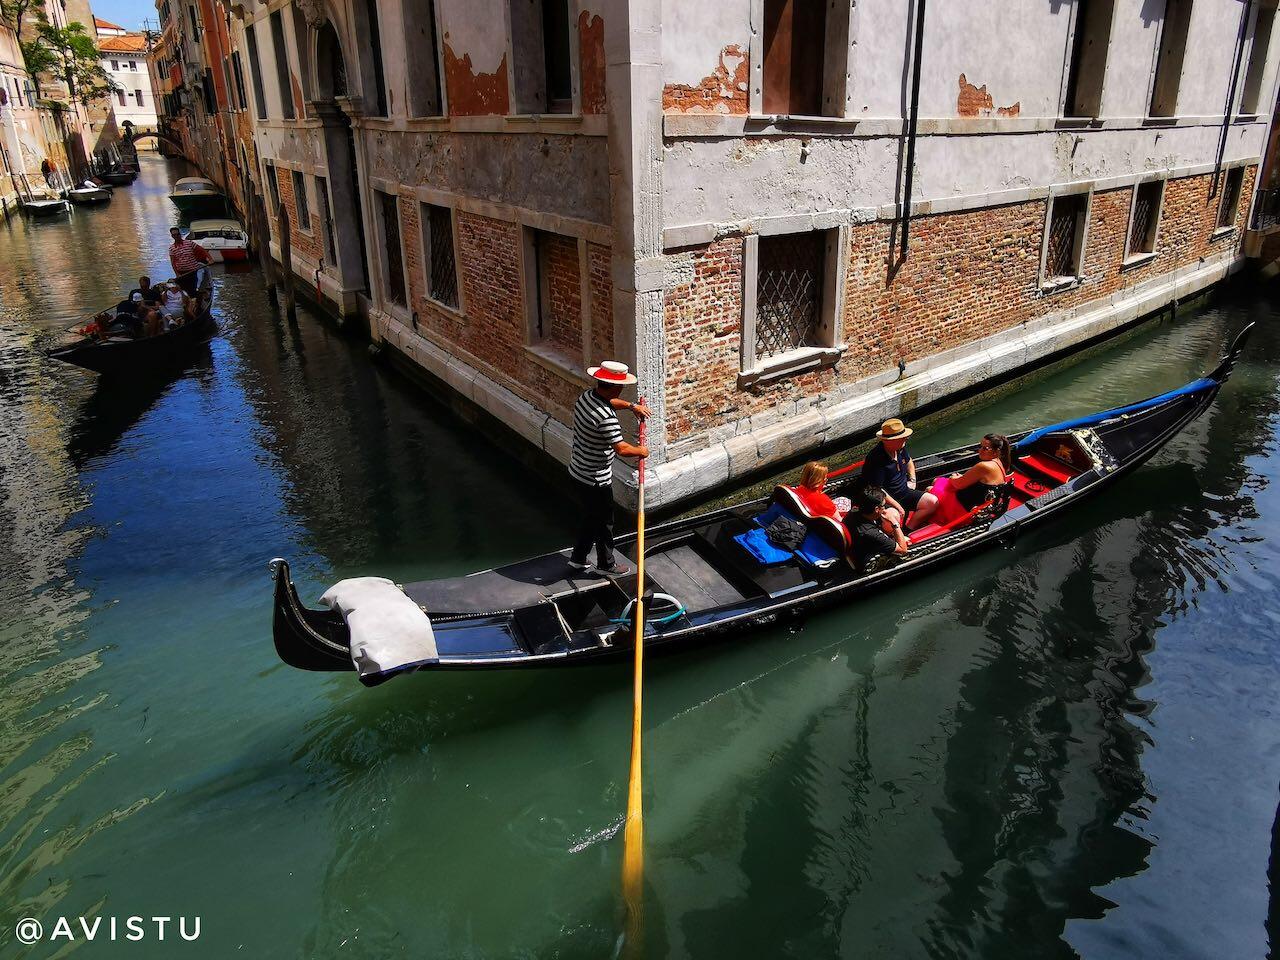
(116, 355)
(196, 196)
(89, 194)
(45, 207)
(225, 239)
(535, 613)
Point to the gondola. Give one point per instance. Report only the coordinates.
(703, 579)
(118, 355)
(118, 178)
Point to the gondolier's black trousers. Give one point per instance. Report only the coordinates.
(190, 282)
(597, 524)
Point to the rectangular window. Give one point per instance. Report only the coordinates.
(392, 257)
(542, 50)
(437, 242)
(255, 71)
(1257, 59)
(1169, 58)
(792, 74)
(1065, 243)
(326, 218)
(553, 294)
(790, 279)
(282, 66)
(195, 23)
(115, 64)
(133, 65)
(273, 191)
(137, 95)
(123, 101)
(1147, 199)
(1088, 58)
(300, 201)
(423, 68)
(237, 73)
(1232, 180)
(375, 47)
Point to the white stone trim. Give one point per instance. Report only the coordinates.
(1054, 284)
(694, 126)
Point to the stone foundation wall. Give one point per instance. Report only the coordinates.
(969, 275)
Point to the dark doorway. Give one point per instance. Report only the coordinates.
(794, 41)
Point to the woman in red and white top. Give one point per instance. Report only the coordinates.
(810, 493)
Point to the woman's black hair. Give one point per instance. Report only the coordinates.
(1004, 448)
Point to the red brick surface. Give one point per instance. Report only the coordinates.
(562, 321)
(969, 275)
(308, 245)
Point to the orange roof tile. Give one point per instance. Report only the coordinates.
(106, 24)
(129, 43)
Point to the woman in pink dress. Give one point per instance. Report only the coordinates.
(961, 492)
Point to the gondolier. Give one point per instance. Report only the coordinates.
(597, 439)
(187, 257)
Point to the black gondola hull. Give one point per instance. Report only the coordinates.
(144, 355)
(316, 639)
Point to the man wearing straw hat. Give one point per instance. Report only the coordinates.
(597, 439)
(889, 467)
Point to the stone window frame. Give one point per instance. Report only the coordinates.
(575, 68)
(423, 197)
(754, 370)
(837, 84)
(1227, 168)
(400, 311)
(1264, 67)
(299, 176)
(438, 27)
(573, 368)
(1130, 258)
(1048, 284)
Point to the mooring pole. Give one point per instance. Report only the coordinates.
(258, 211)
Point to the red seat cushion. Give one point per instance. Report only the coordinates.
(1049, 467)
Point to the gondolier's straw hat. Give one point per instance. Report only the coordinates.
(894, 429)
(612, 372)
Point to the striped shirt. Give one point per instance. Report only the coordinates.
(595, 431)
(187, 255)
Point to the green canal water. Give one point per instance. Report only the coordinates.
(1067, 748)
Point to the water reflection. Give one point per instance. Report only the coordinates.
(991, 762)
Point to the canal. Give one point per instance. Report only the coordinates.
(1070, 747)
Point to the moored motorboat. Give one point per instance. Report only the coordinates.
(705, 578)
(119, 178)
(225, 239)
(196, 196)
(89, 193)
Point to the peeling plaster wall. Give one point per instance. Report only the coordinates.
(695, 34)
(520, 169)
(475, 28)
(1015, 50)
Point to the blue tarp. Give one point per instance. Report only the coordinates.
(756, 542)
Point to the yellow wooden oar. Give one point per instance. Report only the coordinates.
(633, 835)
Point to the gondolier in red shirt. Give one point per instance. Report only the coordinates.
(187, 257)
(597, 439)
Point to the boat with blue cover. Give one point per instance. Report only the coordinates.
(709, 575)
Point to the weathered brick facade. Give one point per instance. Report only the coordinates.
(969, 274)
(562, 323)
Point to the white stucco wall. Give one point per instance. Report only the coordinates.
(694, 34)
(475, 27)
(1211, 48)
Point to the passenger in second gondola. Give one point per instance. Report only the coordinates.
(890, 467)
(962, 492)
(875, 530)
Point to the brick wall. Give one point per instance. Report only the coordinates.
(308, 245)
(969, 274)
(491, 334)
(601, 307)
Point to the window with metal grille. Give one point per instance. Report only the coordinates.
(1146, 215)
(389, 208)
(300, 202)
(326, 217)
(789, 282)
(442, 272)
(1231, 183)
(1066, 225)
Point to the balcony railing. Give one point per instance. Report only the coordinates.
(1267, 211)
